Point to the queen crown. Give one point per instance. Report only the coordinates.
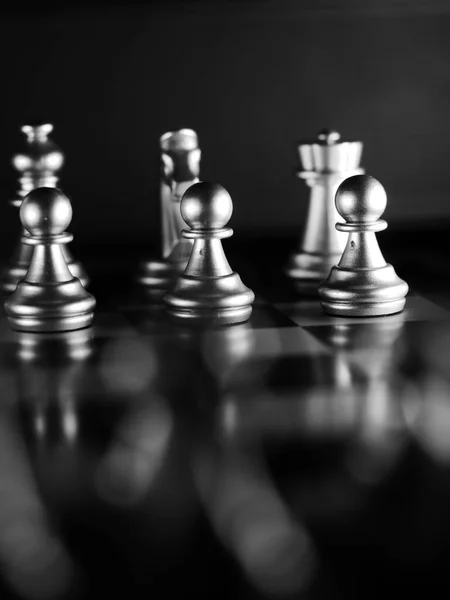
(330, 154)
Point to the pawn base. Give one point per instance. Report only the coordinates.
(156, 277)
(307, 271)
(363, 292)
(216, 316)
(65, 306)
(223, 300)
(381, 309)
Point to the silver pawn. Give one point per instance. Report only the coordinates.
(180, 167)
(39, 164)
(49, 298)
(209, 290)
(362, 284)
(326, 162)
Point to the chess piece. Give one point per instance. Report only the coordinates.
(326, 162)
(49, 298)
(208, 290)
(180, 166)
(362, 284)
(38, 163)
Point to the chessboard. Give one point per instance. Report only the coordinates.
(296, 455)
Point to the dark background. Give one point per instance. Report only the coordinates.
(252, 78)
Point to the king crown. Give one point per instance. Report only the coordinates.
(329, 153)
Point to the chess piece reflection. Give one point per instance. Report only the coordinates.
(38, 163)
(226, 350)
(426, 405)
(49, 298)
(208, 290)
(53, 375)
(362, 284)
(326, 162)
(180, 167)
(369, 352)
(252, 520)
(352, 405)
(55, 382)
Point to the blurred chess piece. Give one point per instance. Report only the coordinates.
(326, 162)
(208, 291)
(251, 518)
(35, 562)
(362, 284)
(49, 298)
(248, 512)
(180, 167)
(38, 164)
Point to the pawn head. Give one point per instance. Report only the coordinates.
(206, 205)
(361, 199)
(46, 211)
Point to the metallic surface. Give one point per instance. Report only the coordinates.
(326, 163)
(180, 167)
(362, 284)
(38, 163)
(209, 290)
(49, 298)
